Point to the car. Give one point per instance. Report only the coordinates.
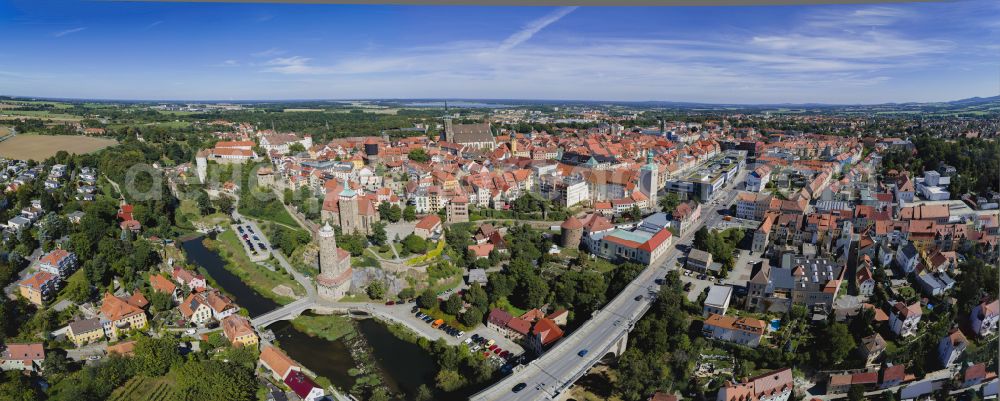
(583, 352)
(255, 238)
(475, 337)
(240, 229)
(261, 245)
(519, 387)
(638, 297)
(390, 303)
(415, 309)
(492, 347)
(660, 281)
(460, 333)
(687, 286)
(467, 341)
(93, 357)
(687, 273)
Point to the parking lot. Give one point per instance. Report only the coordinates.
(481, 340)
(253, 241)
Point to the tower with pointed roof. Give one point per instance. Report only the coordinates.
(649, 179)
(350, 219)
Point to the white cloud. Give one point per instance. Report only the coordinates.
(274, 51)
(533, 28)
(67, 32)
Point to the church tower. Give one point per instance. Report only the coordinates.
(649, 181)
(348, 205)
(335, 273)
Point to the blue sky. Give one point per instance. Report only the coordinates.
(873, 53)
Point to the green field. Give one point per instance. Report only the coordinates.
(256, 276)
(144, 389)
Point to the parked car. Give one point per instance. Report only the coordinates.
(390, 302)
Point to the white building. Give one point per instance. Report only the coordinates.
(904, 319)
(757, 180)
(717, 301)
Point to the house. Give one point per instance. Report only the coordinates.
(661, 396)
(545, 333)
(304, 387)
(951, 347)
(38, 287)
(518, 328)
(428, 226)
(279, 364)
(24, 357)
(481, 251)
(838, 384)
(497, 320)
(872, 348)
(684, 216)
(58, 262)
(891, 376)
(771, 386)
(974, 374)
(698, 260)
(477, 276)
(935, 284)
(984, 318)
(717, 301)
(904, 318)
(188, 278)
(865, 281)
(162, 284)
(741, 330)
(800, 280)
(122, 314)
(907, 257)
(560, 316)
(238, 330)
(200, 307)
(85, 331)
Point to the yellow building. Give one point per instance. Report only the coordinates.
(38, 287)
(119, 315)
(82, 332)
(239, 331)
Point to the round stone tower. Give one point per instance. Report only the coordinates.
(327, 251)
(572, 232)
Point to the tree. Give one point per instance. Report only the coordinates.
(376, 290)
(453, 304)
(476, 296)
(410, 213)
(419, 155)
(296, 147)
(669, 202)
(423, 393)
(414, 244)
(407, 293)
(395, 213)
(471, 317)
(161, 301)
(56, 362)
(379, 236)
(449, 380)
(856, 393)
(428, 299)
(835, 344)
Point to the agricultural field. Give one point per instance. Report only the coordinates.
(144, 389)
(40, 147)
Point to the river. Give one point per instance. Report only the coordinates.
(404, 366)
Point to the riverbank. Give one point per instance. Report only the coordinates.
(257, 277)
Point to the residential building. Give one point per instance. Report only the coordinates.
(717, 301)
(771, 386)
(984, 318)
(757, 180)
(276, 362)
(119, 314)
(903, 319)
(24, 357)
(872, 348)
(907, 257)
(457, 210)
(39, 287)
(188, 278)
(740, 330)
(58, 262)
(544, 333)
(162, 284)
(865, 281)
(951, 347)
(304, 387)
(201, 307)
(645, 244)
(698, 260)
(800, 280)
(935, 284)
(86, 331)
(428, 226)
(238, 330)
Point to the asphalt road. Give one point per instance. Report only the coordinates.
(557, 370)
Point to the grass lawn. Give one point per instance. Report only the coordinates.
(274, 213)
(328, 327)
(144, 389)
(256, 276)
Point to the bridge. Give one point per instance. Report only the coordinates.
(287, 312)
(606, 333)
